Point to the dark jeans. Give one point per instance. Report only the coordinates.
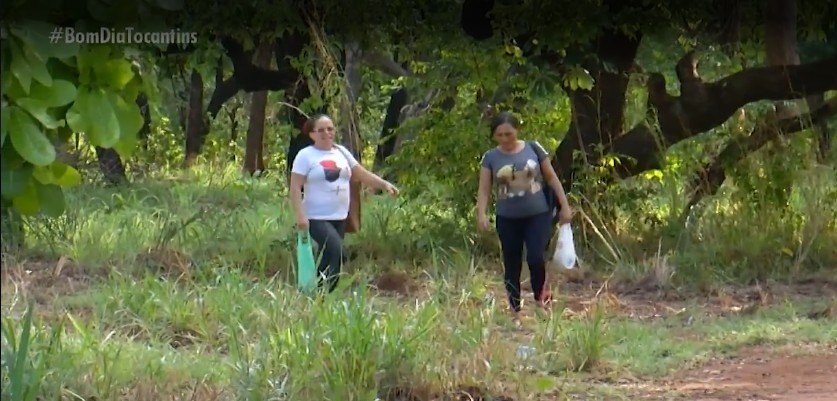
(533, 232)
(328, 234)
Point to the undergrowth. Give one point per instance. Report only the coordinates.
(181, 289)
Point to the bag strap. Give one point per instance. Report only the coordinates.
(531, 145)
(345, 154)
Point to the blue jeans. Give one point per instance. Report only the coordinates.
(534, 233)
(328, 234)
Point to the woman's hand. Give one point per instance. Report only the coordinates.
(482, 223)
(302, 223)
(391, 189)
(565, 216)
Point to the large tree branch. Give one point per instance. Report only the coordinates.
(249, 77)
(712, 176)
(703, 106)
(598, 113)
(385, 64)
(253, 78)
(223, 92)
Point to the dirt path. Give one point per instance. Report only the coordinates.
(762, 375)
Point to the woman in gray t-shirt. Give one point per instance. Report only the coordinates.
(519, 170)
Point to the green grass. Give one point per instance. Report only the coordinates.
(182, 290)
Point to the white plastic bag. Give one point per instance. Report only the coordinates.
(564, 254)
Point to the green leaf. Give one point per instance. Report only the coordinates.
(77, 114)
(43, 174)
(37, 34)
(116, 73)
(51, 199)
(10, 157)
(20, 67)
(5, 65)
(130, 123)
(13, 180)
(14, 89)
(38, 109)
(57, 173)
(64, 133)
(64, 175)
(104, 131)
(27, 202)
(37, 67)
(28, 139)
(61, 93)
(88, 58)
(4, 119)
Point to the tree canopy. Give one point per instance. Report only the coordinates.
(576, 70)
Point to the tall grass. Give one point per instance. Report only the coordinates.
(181, 289)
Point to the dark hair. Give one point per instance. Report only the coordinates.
(504, 117)
(309, 125)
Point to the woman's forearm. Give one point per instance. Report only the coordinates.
(482, 203)
(296, 201)
(372, 180)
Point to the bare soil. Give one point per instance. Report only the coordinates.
(761, 375)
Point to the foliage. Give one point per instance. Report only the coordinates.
(185, 290)
(53, 89)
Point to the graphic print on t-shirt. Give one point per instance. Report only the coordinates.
(331, 170)
(514, 182)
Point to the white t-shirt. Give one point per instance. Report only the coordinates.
(327, 175)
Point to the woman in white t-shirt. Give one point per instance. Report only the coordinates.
(323, 171)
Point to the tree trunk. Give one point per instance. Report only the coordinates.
(254, 150)
(111, 166)
(598, 113)
(181, 94)
(386, 146)
(232, 114)
(780, 41)
(145, 110)
(350, 118)
(196, 129)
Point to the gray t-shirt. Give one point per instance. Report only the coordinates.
(518, 180)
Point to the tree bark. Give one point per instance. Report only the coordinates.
(145, 110)
(350, 118)
(254, 151)
(597, 114)
(250, 77)
(703, 106)
(780, 41)
(386, 146)
(782, 53)
(713, 176)
(111, 166)
(196, 129)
